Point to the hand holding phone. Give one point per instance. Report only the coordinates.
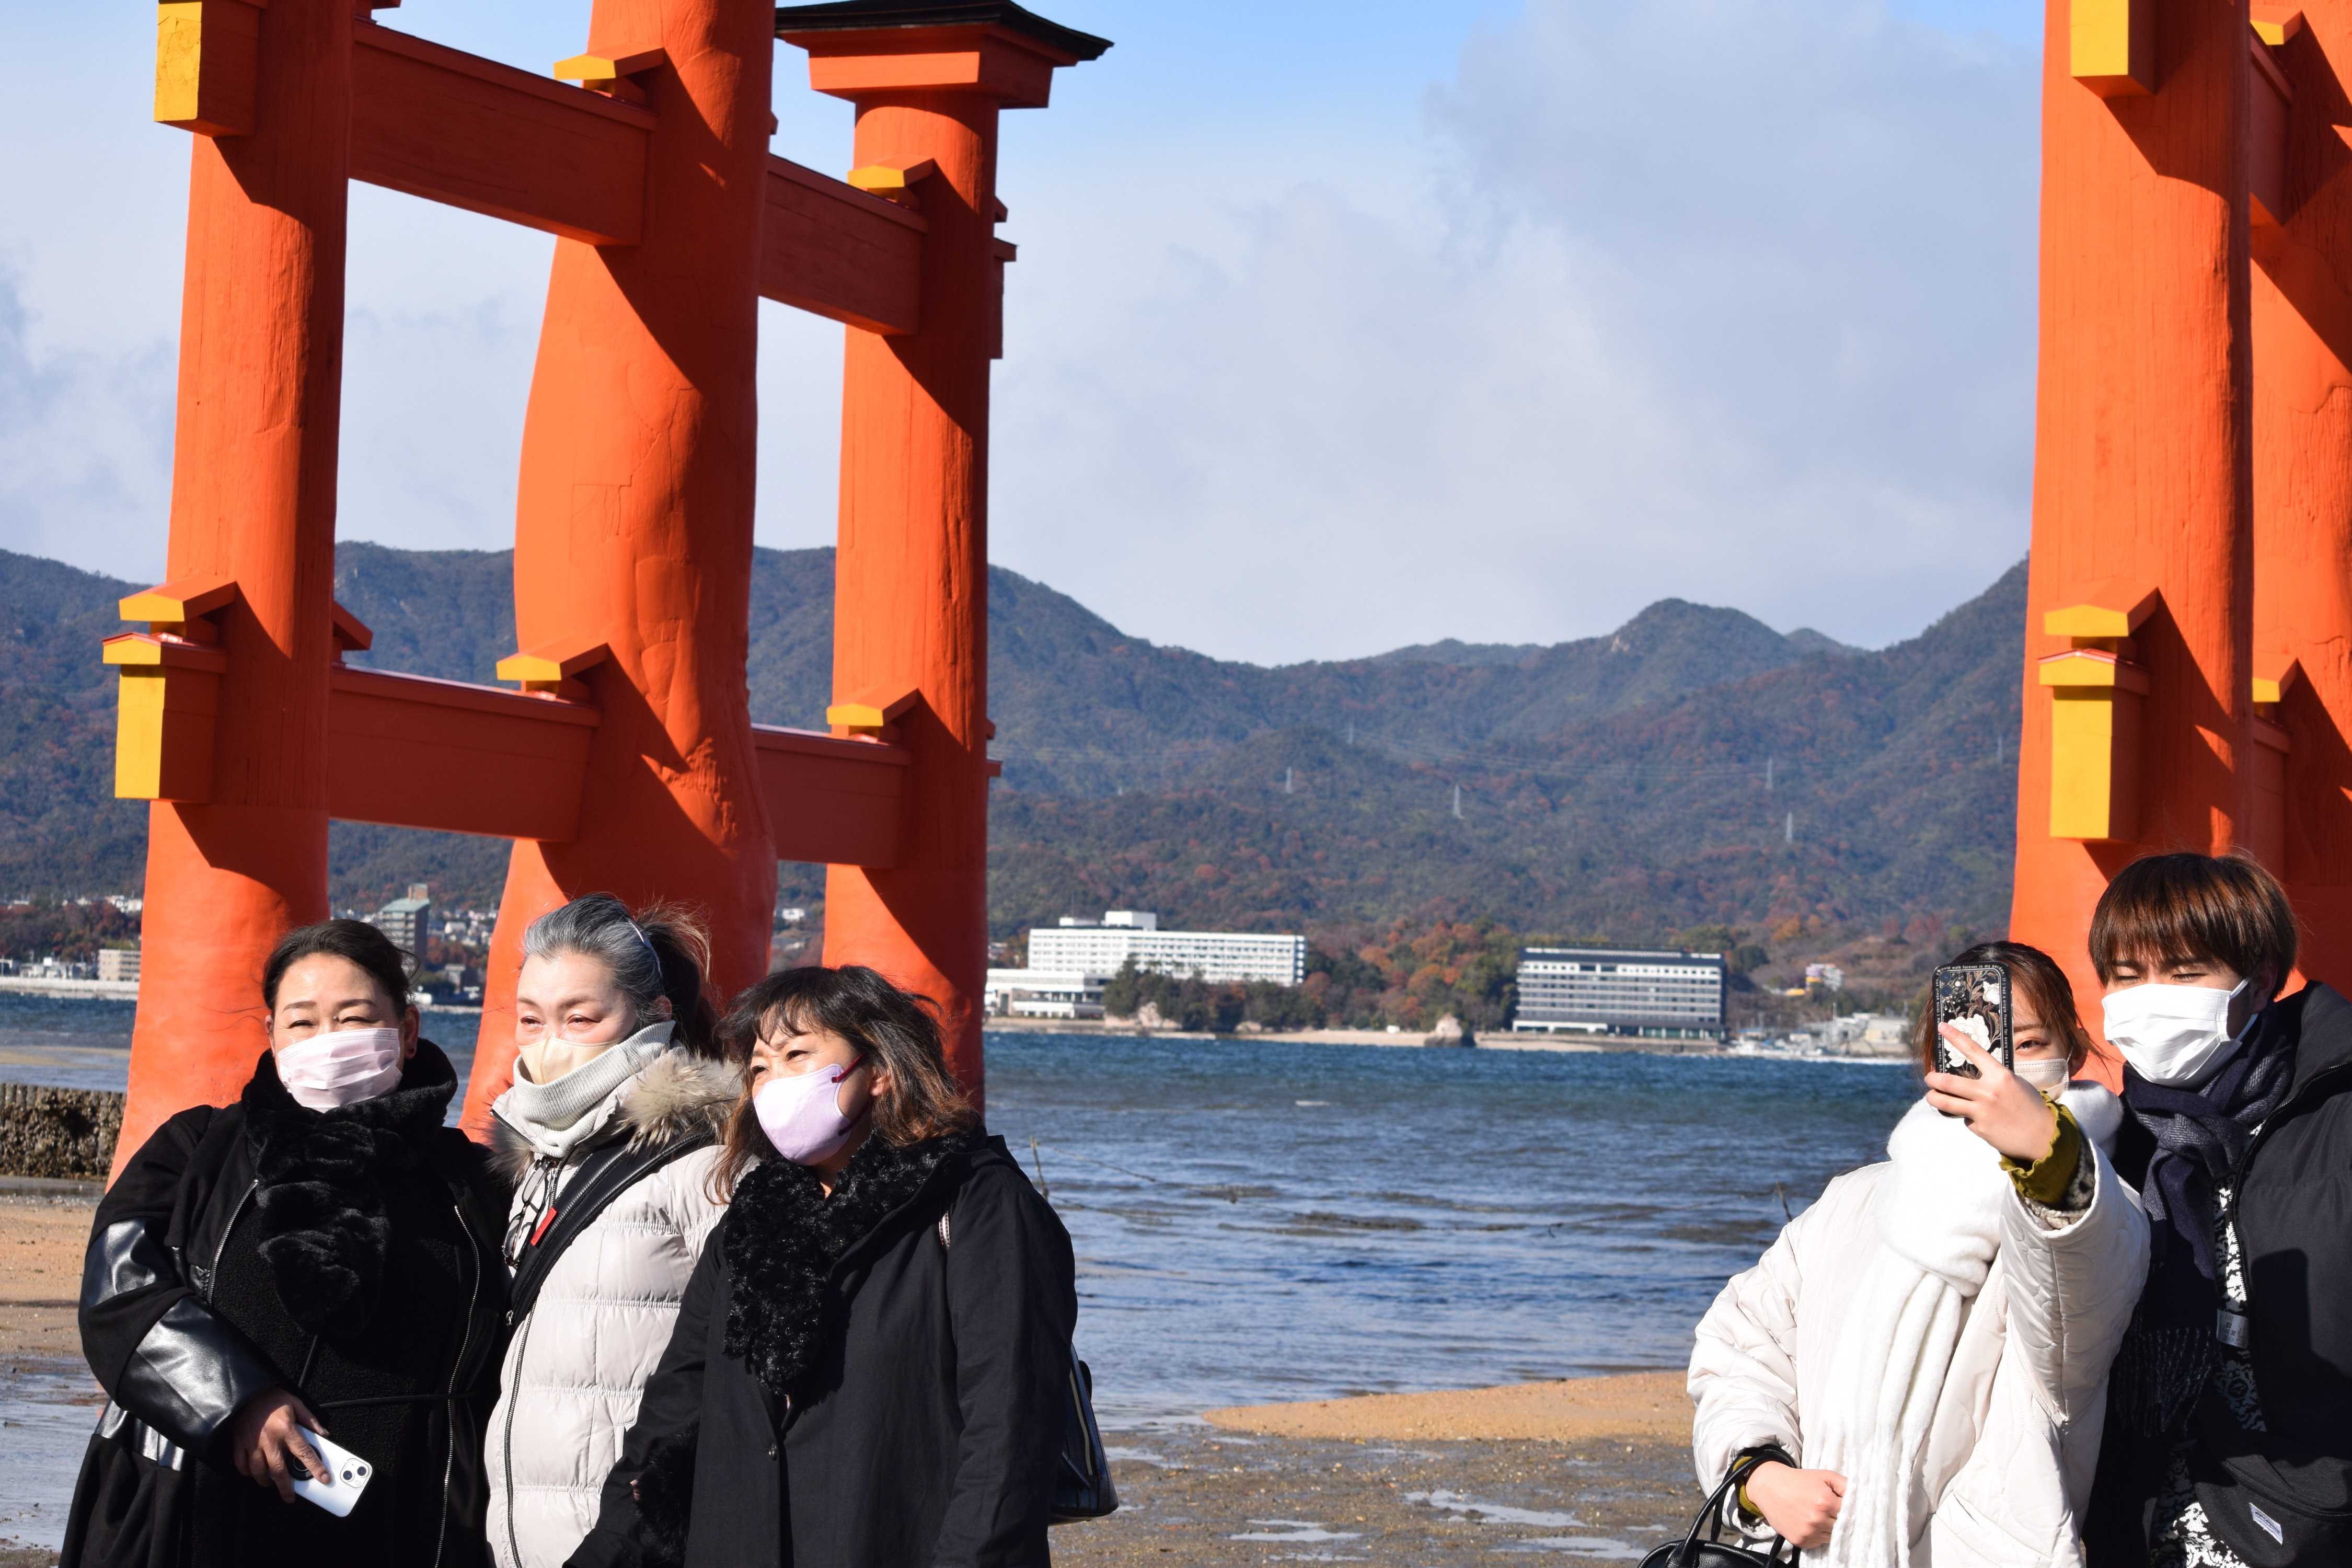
(347, 1475)
(1975, 997)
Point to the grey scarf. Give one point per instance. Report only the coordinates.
(556, 1117)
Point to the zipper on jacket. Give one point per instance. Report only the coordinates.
(522, 1345)
(226, 1231)
(465, 1348)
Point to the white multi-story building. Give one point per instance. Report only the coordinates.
(119, 964)
(1653, 994)
(1218, 957)
(1042, 993)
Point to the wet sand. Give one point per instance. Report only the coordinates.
(1189, 1495)
(42, 1235)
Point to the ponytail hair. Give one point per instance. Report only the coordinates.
(661, 952)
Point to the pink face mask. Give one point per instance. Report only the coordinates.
(801, 1114)
(340, 1067)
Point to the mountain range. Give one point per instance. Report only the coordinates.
(1693, 766)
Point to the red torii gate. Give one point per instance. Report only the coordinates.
(2188, 675)
(628, 761)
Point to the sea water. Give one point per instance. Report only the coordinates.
(1257, 1220)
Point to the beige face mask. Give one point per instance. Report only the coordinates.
(548, 1058)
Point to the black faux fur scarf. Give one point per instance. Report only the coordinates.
(321, 1173)
(782, 1236)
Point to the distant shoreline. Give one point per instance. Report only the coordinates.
(1499, 1041)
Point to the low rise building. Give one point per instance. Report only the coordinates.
(1651, 994)
(1042, 993)
(119, 964)
(1085, 947)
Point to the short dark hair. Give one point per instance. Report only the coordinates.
(2034, 975)
(356, 940)
(897, 1028)
(2225, 907)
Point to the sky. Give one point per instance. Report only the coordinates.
(1336, 327)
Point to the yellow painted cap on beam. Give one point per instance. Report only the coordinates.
(2090, 668)
(181, 599)
(558, 660)
(597, 70)
(2112, 607)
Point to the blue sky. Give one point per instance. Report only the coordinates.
(1335, 327)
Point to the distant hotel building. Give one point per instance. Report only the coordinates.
(1218, 957)
(1655, 995)
(1068, 964)
(407, 921)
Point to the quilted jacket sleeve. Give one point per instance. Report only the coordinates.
(2071, 1289)
(1743, 1370)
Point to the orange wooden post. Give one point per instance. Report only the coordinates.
(910, 604)
(633, 518)
(253, 501)
(2302, 478)
(2143, 465)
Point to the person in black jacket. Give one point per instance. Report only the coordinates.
(323, 1254)
(869, 1368)
(2229, 1429)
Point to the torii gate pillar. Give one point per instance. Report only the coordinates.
(2188, 662)
(232, 865)
(910, 597)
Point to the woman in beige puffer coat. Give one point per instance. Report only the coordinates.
(618, 1107)
(1929, 1341)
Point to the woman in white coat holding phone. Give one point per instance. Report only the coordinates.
(1923, 1353)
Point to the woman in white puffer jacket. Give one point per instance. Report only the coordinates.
(1928, 1345)
(611, 1131)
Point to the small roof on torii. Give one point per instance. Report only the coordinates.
(860, 16)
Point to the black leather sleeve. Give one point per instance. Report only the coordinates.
(154, 1346)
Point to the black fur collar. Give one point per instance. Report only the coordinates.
(320, 1198)
(783, 1235)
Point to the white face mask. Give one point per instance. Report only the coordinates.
(341, 1067)
(2047, 1074)
(550, 1056)
(802, 1114)
(2173, 1036)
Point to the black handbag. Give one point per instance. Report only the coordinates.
(1082, 1488)
(1714, 1553)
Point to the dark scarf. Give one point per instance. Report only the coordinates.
(2200, 1135)
(783, 1235)
(324, 1231)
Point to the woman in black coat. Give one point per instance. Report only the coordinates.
(870, 1366)
(323, 1254)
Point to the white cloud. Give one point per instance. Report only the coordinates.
(1718, 299)
(85, 449)
(1730, 299)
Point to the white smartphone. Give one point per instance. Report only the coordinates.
(339, 1490)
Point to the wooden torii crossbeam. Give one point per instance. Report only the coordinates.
(626, 759)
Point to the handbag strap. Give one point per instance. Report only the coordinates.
(604, 1175)
(1710, 1515)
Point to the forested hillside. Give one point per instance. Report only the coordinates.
(1693, 766)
